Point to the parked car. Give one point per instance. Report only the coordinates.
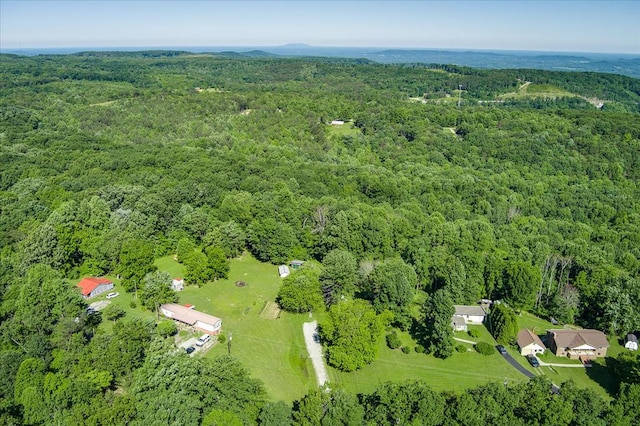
(112, 295)
(203, 339)
(533, 360)
(501, 349)
(190, 349)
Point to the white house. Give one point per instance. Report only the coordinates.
(196, 319)
(337, 122)
(529, 343)
(458, 323)
(631, 342)
(283, 271)
(177, 284)
(472, 314)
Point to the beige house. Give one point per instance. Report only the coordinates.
(529, 343)
(576, 344)
(472, 314)
(196, 319)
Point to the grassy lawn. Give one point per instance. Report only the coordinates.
(167, 264)
(124, 302)
(345, 129)
(272, 349)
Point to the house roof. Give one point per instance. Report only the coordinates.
(283, 269)
(579, 338)
(296, 262)
(458, 320)
(87, 285)
(474, 310)
(189, 316)
(527, 337)
(631, 338)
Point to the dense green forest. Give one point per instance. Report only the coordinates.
(449, 182)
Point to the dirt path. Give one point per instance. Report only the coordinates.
(310, 330)
(464, 341)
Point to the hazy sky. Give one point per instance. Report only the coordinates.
(559, 25)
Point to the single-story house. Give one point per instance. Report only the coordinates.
(631, 342)
(529, 343)
(471, 314)
(196, 319)
(283, 271)
(337, 122)
(93, 286)
(295, 264)
(458, 323)
(177, 284)
(575, 344)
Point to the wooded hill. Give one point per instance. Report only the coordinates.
(111, 159)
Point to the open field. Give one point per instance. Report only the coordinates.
(167, 264)
(345, 129)
(272, 348)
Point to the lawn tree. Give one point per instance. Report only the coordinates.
(218, 262)
(198, 271)
(392, 284)
(352, 331)
(338, 276)
(113, 312)
(184, 249)
(300, 291)
(156, 291)
(438, 311)
(503, 323)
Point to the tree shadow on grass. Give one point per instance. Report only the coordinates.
(602, 371)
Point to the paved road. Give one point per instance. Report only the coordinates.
(517, 365)
(315, 351)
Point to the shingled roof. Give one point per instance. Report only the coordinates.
(527, 337)
(573, 339)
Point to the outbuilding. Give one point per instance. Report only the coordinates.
(283, 271)
(93, 286)
(631, 342)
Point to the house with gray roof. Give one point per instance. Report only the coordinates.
(574, 344)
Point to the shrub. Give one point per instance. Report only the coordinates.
(461, 348)
(420, 349)
(167, 328)
(222, 338)
(474, 333)
(405, 349)
(393, 341)
(484, 348)
(133, 304)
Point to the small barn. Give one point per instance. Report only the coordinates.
(177, 284)
(631, 342)
(283, 271)
(93, 286)
(529, 343)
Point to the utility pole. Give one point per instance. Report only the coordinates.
(229, 343)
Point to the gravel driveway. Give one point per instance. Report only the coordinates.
(310, 330)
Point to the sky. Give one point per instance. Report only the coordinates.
(541, 25)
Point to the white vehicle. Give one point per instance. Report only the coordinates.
(203, 339)
(112, 295)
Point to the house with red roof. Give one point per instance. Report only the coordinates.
(93, 286)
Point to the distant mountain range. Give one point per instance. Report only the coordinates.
(625, 64)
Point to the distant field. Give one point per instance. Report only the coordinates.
(538, 91)
(345, 129)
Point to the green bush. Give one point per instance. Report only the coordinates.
(167, 328)
(461, 348)
(133, 304)
(474, 333)
(484, 348)
(393, 341)
(420, 349)
(222, 338)
(405, 349)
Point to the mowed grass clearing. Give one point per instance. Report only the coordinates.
(272, 349)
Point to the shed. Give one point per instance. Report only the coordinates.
(177, 284)
(631, 342)
(283, 271)
(529, 343)
(295, 264)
